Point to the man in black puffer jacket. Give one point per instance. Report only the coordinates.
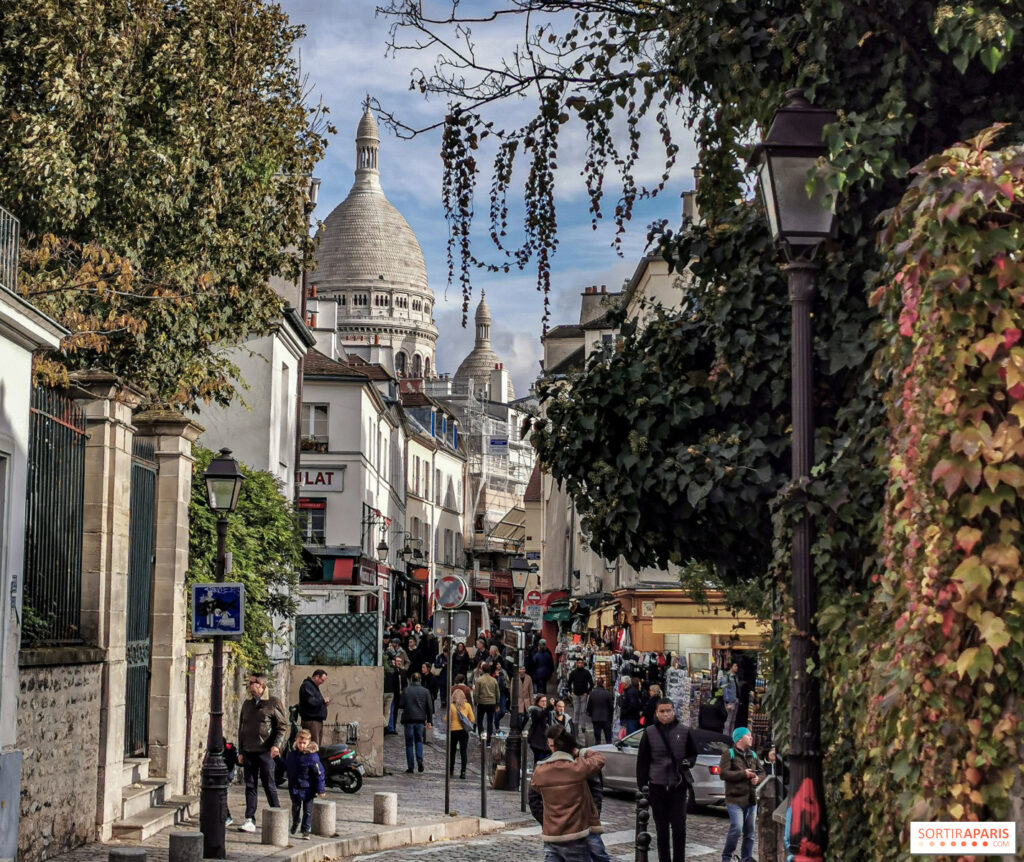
(667, 753)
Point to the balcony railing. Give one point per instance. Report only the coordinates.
(9, 230)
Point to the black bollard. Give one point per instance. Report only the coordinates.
(643, 816)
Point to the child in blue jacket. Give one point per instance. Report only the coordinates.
(305, 781)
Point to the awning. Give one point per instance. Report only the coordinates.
(559, 614)
(687, 618)
(555, 596)
(485, 594)
(511, 528)
(602, 617)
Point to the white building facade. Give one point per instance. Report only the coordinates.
(352, 472)
(23, 330)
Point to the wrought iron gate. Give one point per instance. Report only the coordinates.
(54, 510)
(141, 535)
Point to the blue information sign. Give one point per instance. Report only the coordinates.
(218, 610)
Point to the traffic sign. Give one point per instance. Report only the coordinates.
(218, 610)
(533, 598)
(451, 592)
(535, 612)
(461, 623)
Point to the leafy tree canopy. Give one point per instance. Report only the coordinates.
(157, 155)
(674, 444)
(266, 549)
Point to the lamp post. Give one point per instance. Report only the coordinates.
(799, 223)
(223, 484)
(520, 570)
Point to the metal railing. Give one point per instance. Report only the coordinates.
(10, 228)
(53, 521)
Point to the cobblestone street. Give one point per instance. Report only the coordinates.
(705, 830)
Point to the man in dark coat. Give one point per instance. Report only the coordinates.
(631, 707)
(313, 704)
(543, 667)
(417, 715)
(600, 706)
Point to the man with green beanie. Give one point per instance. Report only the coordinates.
(742, 772)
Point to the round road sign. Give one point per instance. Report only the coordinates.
(533, 598)
(451, 592)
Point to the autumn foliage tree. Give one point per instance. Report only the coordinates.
(674, 444)
(157, 155)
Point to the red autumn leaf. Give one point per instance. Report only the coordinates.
(947, 623)
(1010, 337)
(1016, 392)
(967, 538)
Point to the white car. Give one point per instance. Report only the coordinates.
(707, 788)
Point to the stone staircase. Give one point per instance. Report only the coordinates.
(145, 807)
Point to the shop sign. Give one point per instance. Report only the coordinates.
(324, 479)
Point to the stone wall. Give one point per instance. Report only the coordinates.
(357, 694)
(200, 664)
(58, 733)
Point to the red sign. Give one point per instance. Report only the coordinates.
(317, 478)
(532, 598)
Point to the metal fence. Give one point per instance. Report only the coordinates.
(141, 538)
(53, 521)
(9, 230)
(336, 639)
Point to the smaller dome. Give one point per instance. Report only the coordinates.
(483, 311)
(482, 359)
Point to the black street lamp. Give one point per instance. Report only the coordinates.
(799, 223)
(223, 484)
(520, 570)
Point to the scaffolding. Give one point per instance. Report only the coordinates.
(499, 459)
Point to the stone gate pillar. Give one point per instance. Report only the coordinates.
(108, 404)
(172, 436)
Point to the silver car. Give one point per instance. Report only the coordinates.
(707, 788)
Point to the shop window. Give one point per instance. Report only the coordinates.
(313, 519)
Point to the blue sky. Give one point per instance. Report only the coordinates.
(344, 57)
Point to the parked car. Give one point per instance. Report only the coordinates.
(707, 787)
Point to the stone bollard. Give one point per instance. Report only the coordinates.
(325, 817)
(127, 854)
(185, 846)
(275, 826)
(385, 809)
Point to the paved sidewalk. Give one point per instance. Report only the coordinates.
(421, 817)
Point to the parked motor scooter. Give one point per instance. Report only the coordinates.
(342, 769)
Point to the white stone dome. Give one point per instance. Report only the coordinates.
(365, 240)
(482, 359)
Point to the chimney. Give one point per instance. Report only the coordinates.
(604, 288)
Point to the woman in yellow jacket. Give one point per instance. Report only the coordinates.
(460, 720)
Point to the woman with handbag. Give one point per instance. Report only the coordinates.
(667, 752)
(460, 720)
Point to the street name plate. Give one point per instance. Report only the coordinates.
(515, 624)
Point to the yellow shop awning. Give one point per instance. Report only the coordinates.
(679, 618)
